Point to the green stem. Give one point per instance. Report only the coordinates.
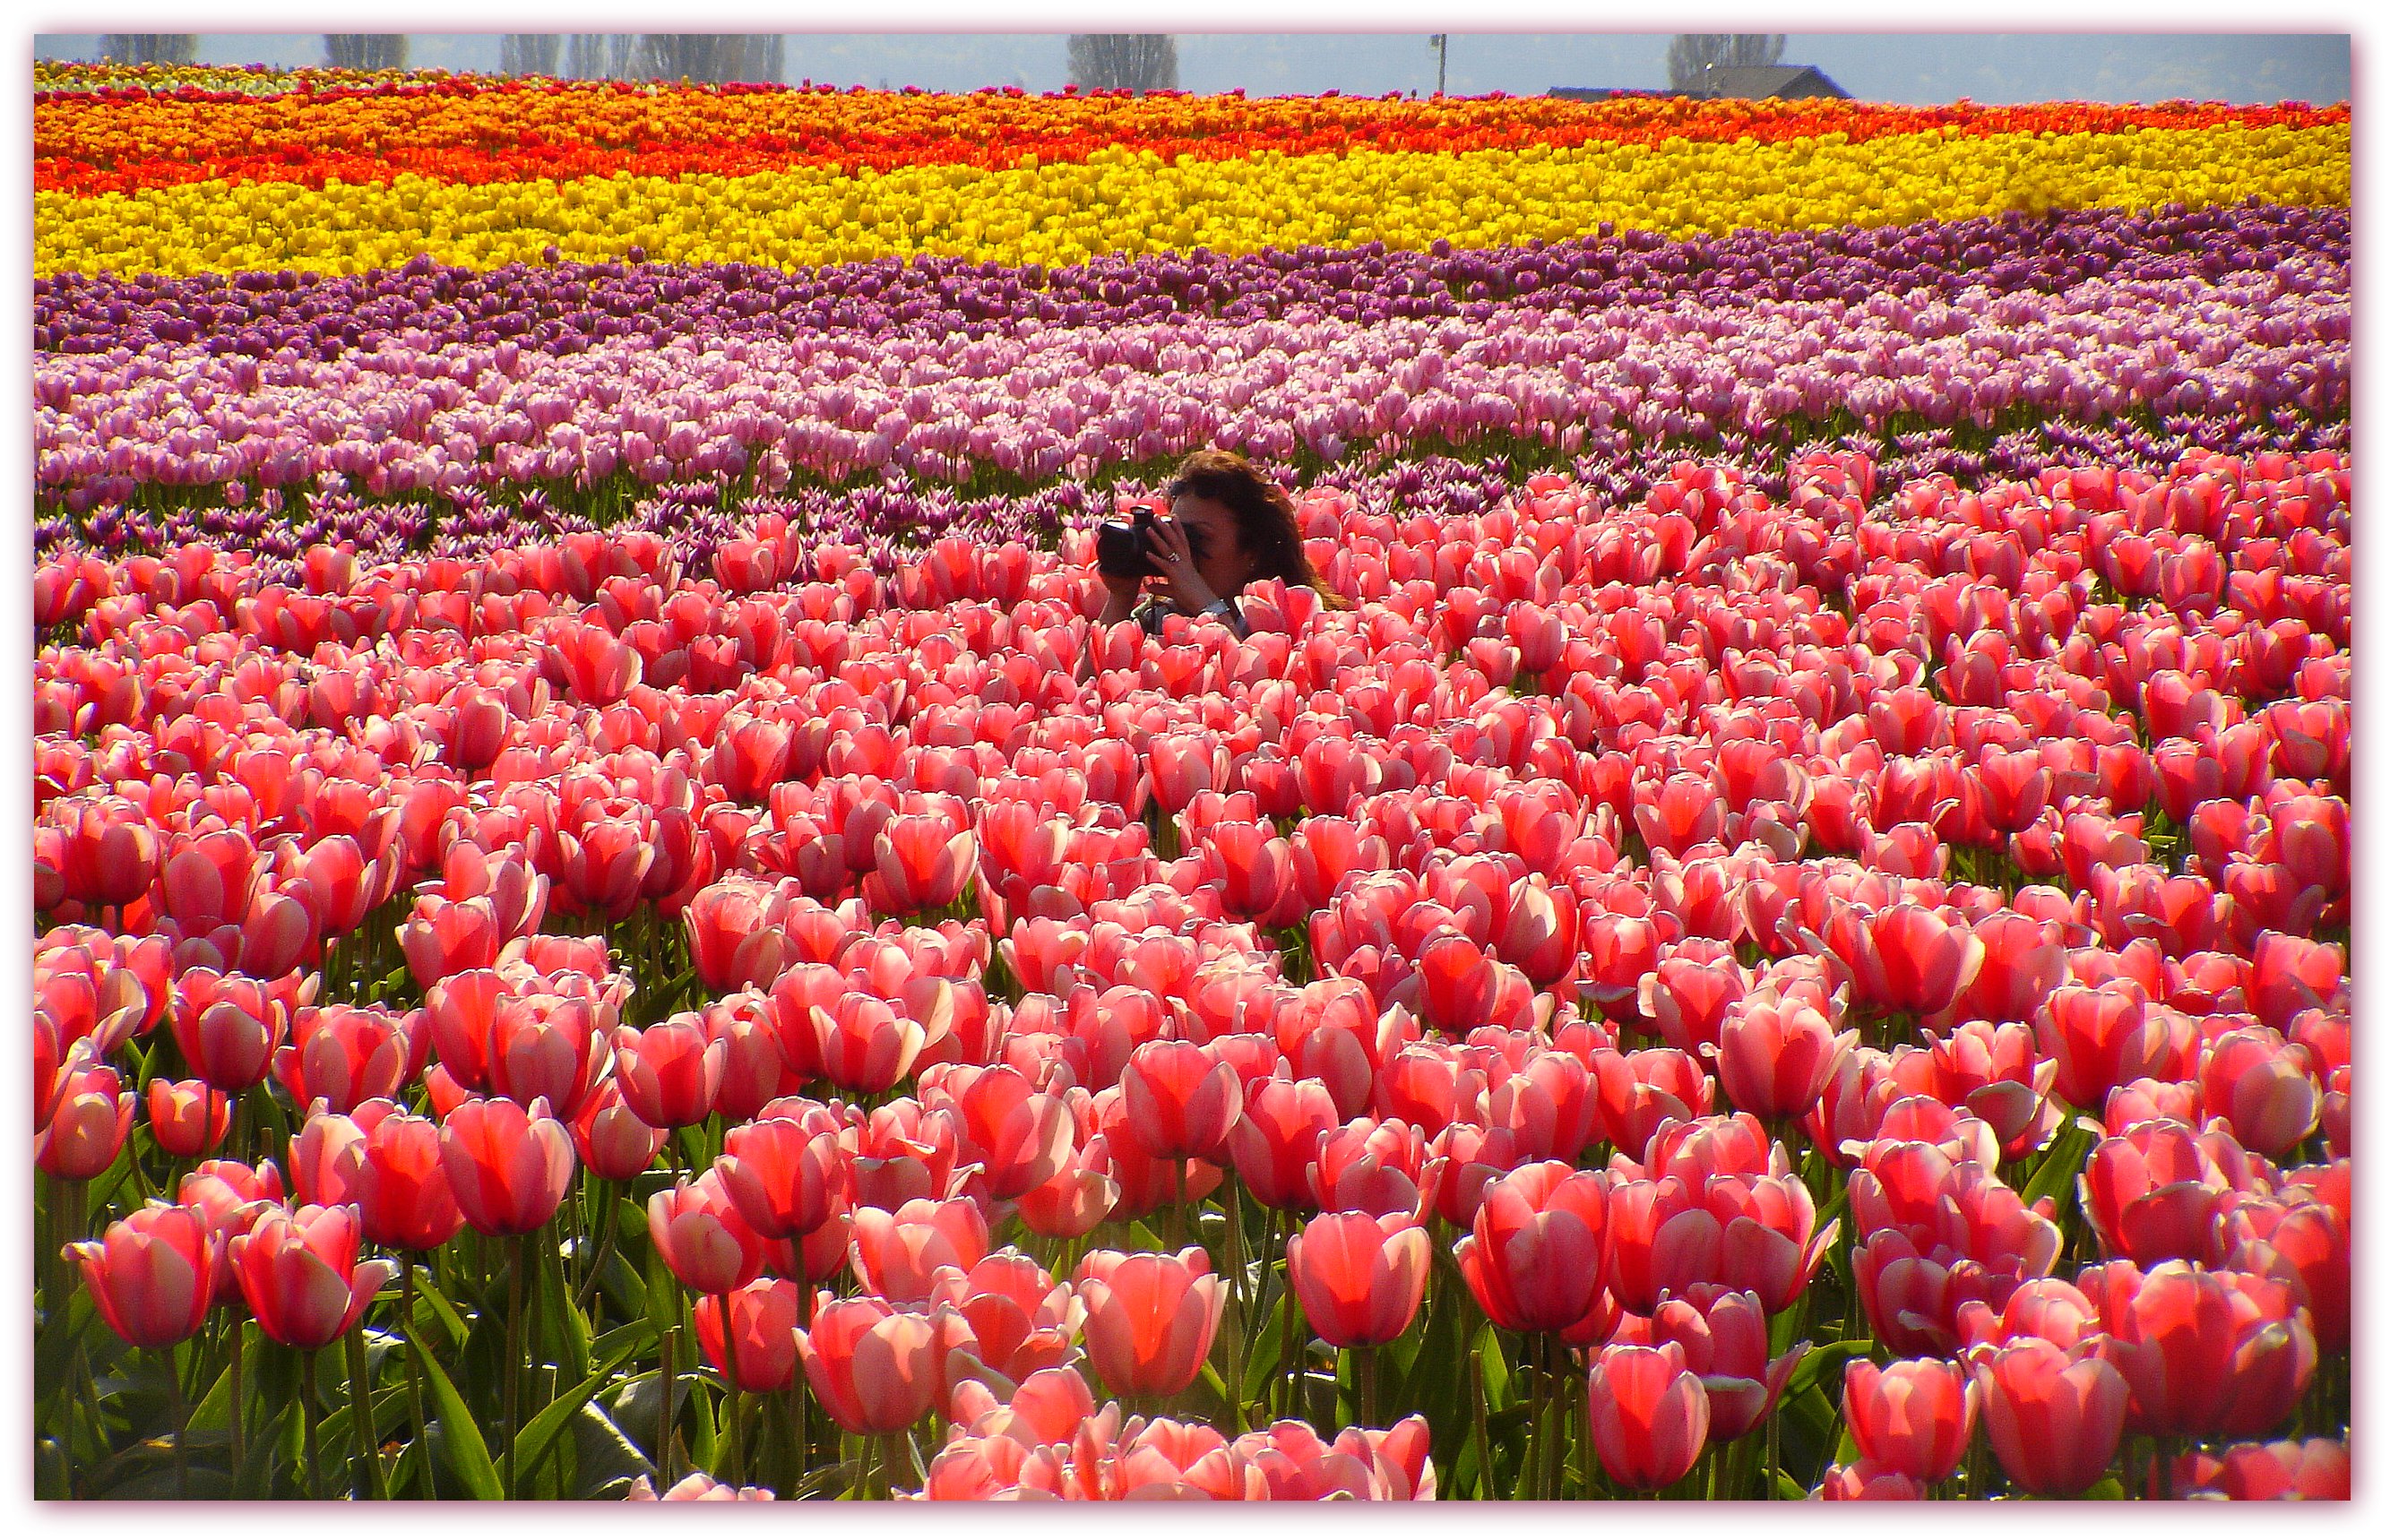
(1589, 1463)
(514, 1355)
(361, 1415)
(1767, 1480)
(308, 1417)
(1235, 1331)
(731, 1463)
(414, 1370)
(239, 1403)
(664, 1417)
(608, 1210)
(1555, 1457)
(182, 1413)
(1365, 1380)
(1477, 1419)
(1287, 1349)
(1531, 1462)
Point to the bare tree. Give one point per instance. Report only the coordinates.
(590, 56)
(364, 50)
(1134, 61)
(528, 53)
(714, 57)
(1692, 55)
(151, 47)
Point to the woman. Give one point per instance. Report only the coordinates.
(1228, 527)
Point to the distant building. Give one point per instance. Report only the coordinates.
(1784, 81)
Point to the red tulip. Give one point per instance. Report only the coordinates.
(348, 1053)
(1019, 1136)
(1865, 1481)
(2316, 1469)
(2206, 1352)
(1180, 1101)
(508, 1166)
(299, 1271)
(1726, 1343)
(611, 1139)
(763, 1335)
(783, 1175)
(400, 1184)
(87, 1126)
(874, 1369)
(227, 1028)
(110, 851)
(547, 1047)
(1277, 1138)
(866, 1044)
(669, 1074)
(1648, 1414)
(188, 1117)
(896, 1255)
(1776, 1056)
(2053, 1418)
(153, 1274)
(697, 1231)
(324, 1156)
(2152, 1193)
(2252, 1080)
(1022, 1322)
(921, 861)
(2102, 1038)
(1915, 1416)
(1361, 1276)
(1151, 1318)
(1077, 1197)
(1537, 1258)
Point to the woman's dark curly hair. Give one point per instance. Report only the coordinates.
(1264, 513)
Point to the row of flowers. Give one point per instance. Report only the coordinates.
(461, 129)
(565, 306)
(429, 417)
(927, 1001)
(891, 520)
(1135, 201)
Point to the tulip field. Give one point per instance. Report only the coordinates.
(609, 925)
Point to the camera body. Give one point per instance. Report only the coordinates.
(1125, 547)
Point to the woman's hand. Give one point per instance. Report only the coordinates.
(1120, 597)
(1177, 564)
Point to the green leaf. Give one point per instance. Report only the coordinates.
(1498, 1368)
(2110, 1490)
(555, 1414)
(1789, 1490)
(468, 1457)
(2056, 1174)
(427, 1287)
(603, 1457)
(1822, 1361)
(1261, 1366)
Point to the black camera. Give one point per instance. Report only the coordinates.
(1125, 547)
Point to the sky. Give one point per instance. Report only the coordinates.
(1912, 68)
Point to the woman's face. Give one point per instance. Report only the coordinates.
(1212, 528)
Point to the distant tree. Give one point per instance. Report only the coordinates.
(592, 56)
(713, 56)
(1690, 54)
(364, 50)
(528, 53)
(1133, 62)
(151, 47)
